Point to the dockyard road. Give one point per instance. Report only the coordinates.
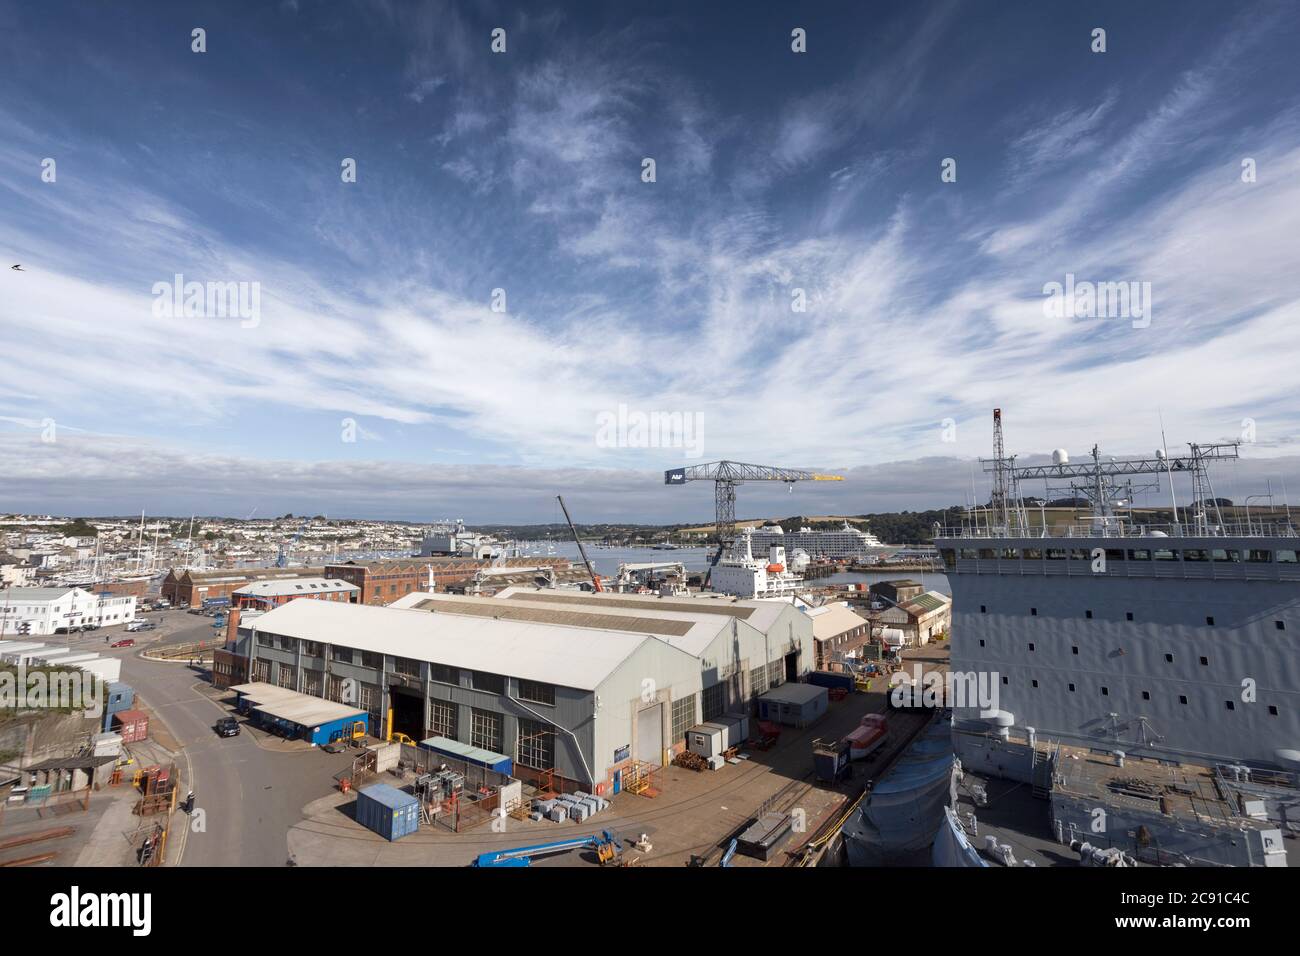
(249, 797)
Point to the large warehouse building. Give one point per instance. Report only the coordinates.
(584, 686)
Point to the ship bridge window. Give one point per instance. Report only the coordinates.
(1285, 556)
(1230, 555)
(1259, 556)
(1196, 554)
(969, 554)
(1165, 554)
(987, 554)
(1139, 554)
(1033, 554)
(1011, 554)
(948, 558)
(1114, 554)
(1056, 554)
(1079, 554)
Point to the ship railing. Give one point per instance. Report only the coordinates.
(1123, 529)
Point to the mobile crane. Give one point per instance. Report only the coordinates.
(605, 844)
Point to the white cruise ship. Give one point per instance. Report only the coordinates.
(842, 544)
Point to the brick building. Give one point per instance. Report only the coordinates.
(383, 582)
(184, 586)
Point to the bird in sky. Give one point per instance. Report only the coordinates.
(18, 268)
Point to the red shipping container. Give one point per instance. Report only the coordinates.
(133, 725)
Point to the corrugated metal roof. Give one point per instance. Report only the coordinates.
(833, 620)
(296, 586)
(794, 693)
(737, 609)
(308, 711)
(573, 618)
(702, 628)
(925, 603)
(465, 751)
(552, 653)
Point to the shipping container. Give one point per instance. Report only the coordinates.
(829, 679)
(133, 725)
(390, 812)
(118, 696)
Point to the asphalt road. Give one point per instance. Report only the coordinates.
(251, 797)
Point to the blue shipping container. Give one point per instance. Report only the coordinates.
(388, 811)
(118, 696)
(831, 679)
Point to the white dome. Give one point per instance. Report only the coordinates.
(1060, 456)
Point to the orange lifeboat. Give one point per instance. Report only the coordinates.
(775, 568)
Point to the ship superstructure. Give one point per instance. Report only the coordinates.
(840, 544)
(740, 574)
(1110, 640)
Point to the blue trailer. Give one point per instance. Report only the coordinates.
(390, 812)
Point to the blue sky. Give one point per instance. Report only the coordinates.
(521, 171)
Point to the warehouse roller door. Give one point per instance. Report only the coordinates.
(650, 735)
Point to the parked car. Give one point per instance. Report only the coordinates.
(227, 727)
(70, 629)
(124, 642)
(90, 627)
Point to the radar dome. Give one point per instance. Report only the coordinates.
(1060, 457)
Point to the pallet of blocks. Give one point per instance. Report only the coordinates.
(577, 807)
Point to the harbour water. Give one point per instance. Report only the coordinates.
(696, 560)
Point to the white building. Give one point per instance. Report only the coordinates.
(14, 572)
(590, 686)
(47, 610)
